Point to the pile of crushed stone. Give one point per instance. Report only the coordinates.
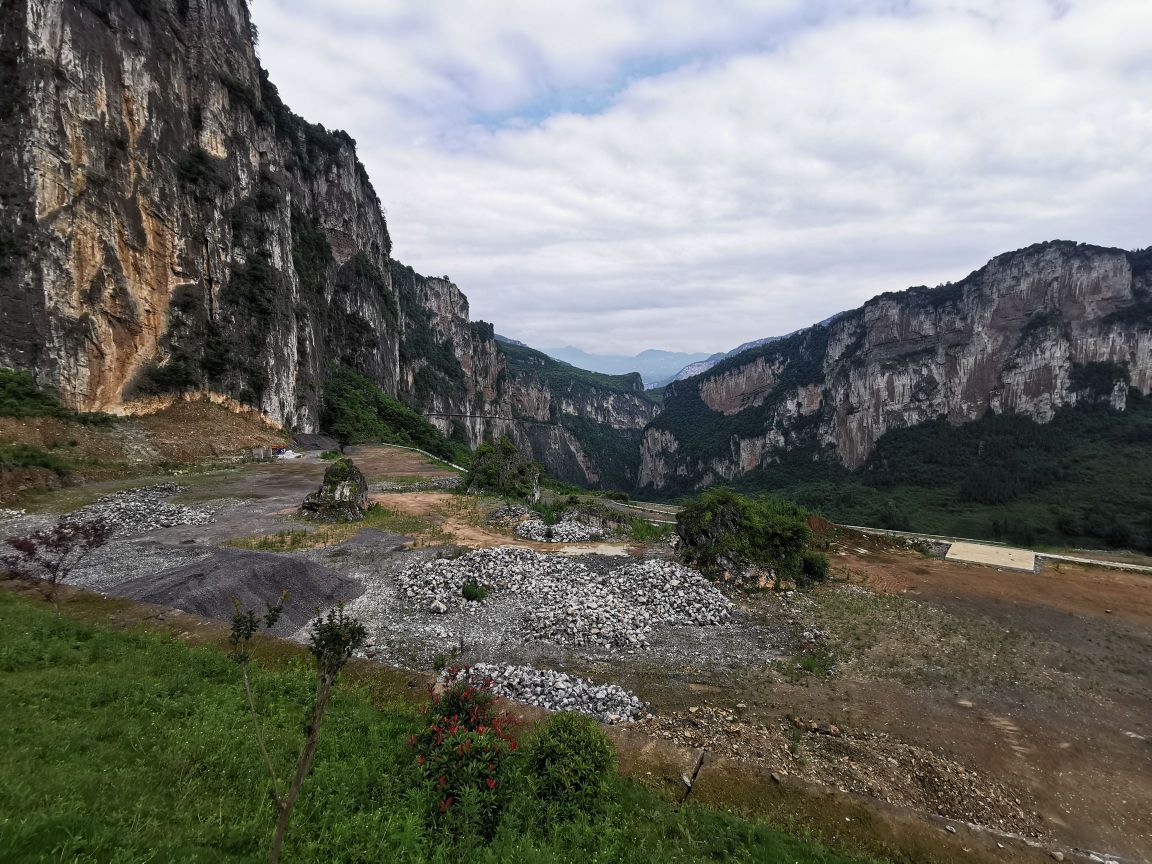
(429, 484)
(555, 691)
(135, 511)
(566, 531)
(565, 602)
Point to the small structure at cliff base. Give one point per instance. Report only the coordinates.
(342, 497)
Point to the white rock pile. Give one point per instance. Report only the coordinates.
(429, 484)
(566, 603)
(565, 531)
(11, 514)
(135, 511)
(558, 691)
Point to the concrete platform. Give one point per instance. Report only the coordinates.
(995, 556)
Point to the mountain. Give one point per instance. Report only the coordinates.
(168, 227)
(702, 366)
(656, 367)
(1056, 324)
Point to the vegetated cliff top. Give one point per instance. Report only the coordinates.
(560, 376)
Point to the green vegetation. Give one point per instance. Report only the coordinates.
(123, 746)
(356, 411)
(474, 593)
(380, 518)
(500, 469)
(29, 456)
(206, 176)
(644, 531)
(21, 396)
(1084, 479)
(572, 766)
(726, 535)
(561, 377)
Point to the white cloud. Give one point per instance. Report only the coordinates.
(622, 175)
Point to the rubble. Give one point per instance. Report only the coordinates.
(556, 691)
(135, 511)
(428, 484)
(565, 531)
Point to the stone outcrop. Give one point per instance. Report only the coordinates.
(1051, 325)
(342, 496)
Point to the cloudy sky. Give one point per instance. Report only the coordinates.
(691, 174)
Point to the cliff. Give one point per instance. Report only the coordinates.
(168, 225)
(585, 427)
(1051, 325)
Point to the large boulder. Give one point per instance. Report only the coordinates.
(342, 497)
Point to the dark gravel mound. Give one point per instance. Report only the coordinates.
(206, 587)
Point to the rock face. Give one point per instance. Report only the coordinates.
(168, 225)
(342, 497)
(1051, 325)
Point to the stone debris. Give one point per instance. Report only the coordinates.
(555, 691)
(566, 531)
(509, 514)
(852, 760)
(570, 604)
(428, 484)
(135, 511)
(11, 514)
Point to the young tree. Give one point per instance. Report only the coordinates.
(333, 639)
(48, 557)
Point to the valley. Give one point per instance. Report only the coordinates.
(965, 693)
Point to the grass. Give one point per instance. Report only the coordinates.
(380, 518)
(886, 636)
(129, 746)
(644, 531)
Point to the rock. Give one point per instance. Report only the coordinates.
(342, 497)
(555, 691)
(1057, 856)
(135, 511)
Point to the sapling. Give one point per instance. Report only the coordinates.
(48, 557)
(333, 638)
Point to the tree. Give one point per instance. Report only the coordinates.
(332, 640)
(49, 556)
(500, 468)
(726, 535)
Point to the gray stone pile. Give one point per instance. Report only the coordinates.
(135, 511)
(567, 603)
(10, 514)
(428, 484)
(509, 514)
(558, 691)
(565, 531)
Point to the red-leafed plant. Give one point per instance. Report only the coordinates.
(462, 750)
(48, 557)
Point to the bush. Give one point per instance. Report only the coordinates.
(21, 396)
(461, 755)
(813, 568)
(329, 455)
(474, 593)
(498, 467)
(726, 535)
(571, 764)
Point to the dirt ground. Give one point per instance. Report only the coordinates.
(953, 687)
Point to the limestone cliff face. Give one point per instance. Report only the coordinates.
(168, 225)
(1033, 330)
(182, 229)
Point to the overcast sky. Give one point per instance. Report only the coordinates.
(691, 175)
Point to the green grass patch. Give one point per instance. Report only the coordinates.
(21, 396)
(129, 746)
(380, 518)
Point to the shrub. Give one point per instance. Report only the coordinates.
(813, 568)
(571, 764)
(49, 556)
(726, 535)
(329, 455)
(500, 468)
(474, 593)
(462, 755)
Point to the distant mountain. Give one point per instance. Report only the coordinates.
(707, 363)
(508, 341)
(656, 367)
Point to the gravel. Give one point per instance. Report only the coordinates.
(430, 484)
(567, 603)
(557, 691)
(135, 511)
(565, 531)
(11, 514)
